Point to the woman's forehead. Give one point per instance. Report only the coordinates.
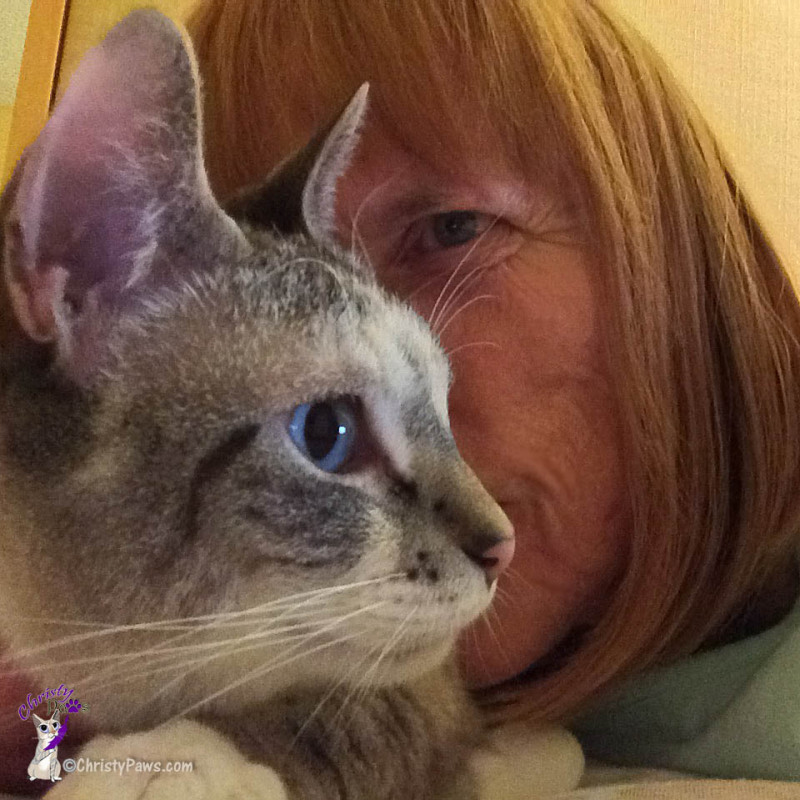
(466, 135)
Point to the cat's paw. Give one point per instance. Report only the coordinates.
(218, 770)
(73, 706)
(520, 762)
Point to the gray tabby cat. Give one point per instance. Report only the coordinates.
(229, 495)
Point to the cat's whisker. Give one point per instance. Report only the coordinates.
(499, 644)
(364, 684)
(162, 654)
(332, 691)
(303, 619)
(225, 648)
(117, 630)
(354, 233)
(461, 347)
(293, 613)
(362, 251)
(157, 653)
(188, 666)
(462, 308)
(503, 597)
(183, 662)
(77, 623)
(253, 674)
(188, 648)
(420, 288)
(233, 644)
(311, 595)
(516, 576)
(393, 640)
(321, 593)
(434, 318)
(270, 665)
(463, 286)
(472, 632)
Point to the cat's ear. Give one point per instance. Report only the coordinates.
(300, 196)
(112, 197)
(56, 716)
(37, 720)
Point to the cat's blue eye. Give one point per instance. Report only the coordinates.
(325, 432)
(43, 728)
(55, 726)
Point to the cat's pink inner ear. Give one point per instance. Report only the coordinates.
(38, 300)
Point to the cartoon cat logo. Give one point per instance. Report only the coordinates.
(45, 764)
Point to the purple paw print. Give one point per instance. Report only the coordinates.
(72, 706)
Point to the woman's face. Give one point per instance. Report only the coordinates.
(502, 270)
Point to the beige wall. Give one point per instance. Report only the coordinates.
(13, 22)
(740, 61)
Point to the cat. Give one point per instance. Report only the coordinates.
(45, 764)
(226, 469)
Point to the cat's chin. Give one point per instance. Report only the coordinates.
(404, 663)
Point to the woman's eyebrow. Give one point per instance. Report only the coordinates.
(418, 201)
(408, 198)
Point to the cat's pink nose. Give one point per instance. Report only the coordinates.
(492, 555)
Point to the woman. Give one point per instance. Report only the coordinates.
(623, 337)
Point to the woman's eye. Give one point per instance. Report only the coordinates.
(452, 229)
(455, 228)
(325, 432)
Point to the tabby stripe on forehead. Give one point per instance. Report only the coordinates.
(211, 465)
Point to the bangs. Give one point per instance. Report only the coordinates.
(453, 80)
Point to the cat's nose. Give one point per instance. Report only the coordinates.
(491, 553)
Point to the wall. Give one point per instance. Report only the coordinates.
(739, 59)
(13, 22)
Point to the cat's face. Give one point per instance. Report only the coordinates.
(46, 729)
(231, 445)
